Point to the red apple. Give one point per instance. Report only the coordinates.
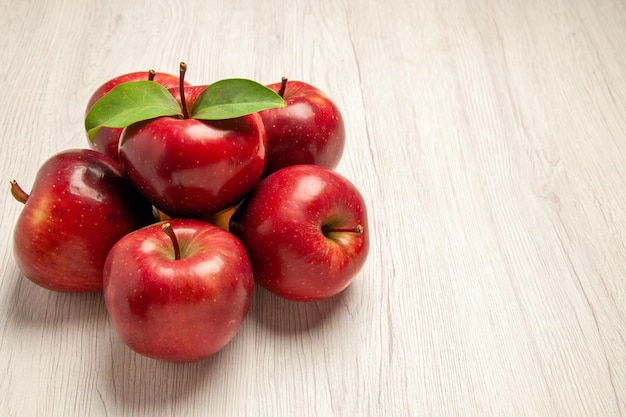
(178, 292)
(106, 139)
(305, 230)
(308, 130)
(190, 167)
(81, 203)
(189, 162)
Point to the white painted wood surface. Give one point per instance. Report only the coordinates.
(488, 138)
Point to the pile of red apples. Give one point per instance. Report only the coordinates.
(188, 195)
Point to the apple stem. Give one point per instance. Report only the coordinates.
(151, 74)
(358, 229)
(17, 192)
(167, 228)
(283, 86)
(181, 86)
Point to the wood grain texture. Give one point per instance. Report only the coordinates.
(488, 138)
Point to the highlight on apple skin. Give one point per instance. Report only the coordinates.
(308, 130)
(80, 205)
(178, 290)
(306, 232)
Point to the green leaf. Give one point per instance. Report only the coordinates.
(129, 103)
(234, 97)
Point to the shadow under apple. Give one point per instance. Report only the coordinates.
(284, 316)
(129, 380)
(32, 305)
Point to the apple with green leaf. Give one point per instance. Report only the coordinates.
(305, 230)
(81, 203)
(194, 161)
(106, 139)
(178, 290)
(309, 129)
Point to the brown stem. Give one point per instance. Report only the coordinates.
(167, 228)
(17, 192)
(283, 86)
(181, 86)
(151, 75)
(358, 229)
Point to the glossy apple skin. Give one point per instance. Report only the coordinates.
(178, 310)
(308, 130)
(190, 168)
(280, 225)
(106, 139)
(81, 203)
(191, 94)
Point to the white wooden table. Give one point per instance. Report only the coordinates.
(489, 140)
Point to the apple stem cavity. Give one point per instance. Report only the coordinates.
(18, 193)
(181, 86)
(358, 229)
(283, 86)
(151, 74)
(167, 228)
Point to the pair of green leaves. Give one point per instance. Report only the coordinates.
(135, 101)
